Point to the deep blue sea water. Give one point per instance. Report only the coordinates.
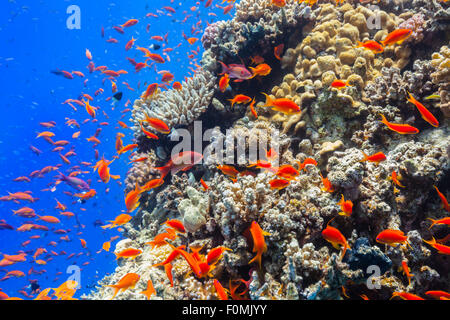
(34, 39)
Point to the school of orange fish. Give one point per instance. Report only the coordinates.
(200, 264)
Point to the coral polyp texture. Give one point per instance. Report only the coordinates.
(356, 175)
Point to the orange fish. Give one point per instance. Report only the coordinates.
(443, 200)
(192, 40)
(392, 237)
(221, 291)
(228, 170)
(259, 244)
(426, 115)
(279, 3)
(215, 254)
(406, 271)
(252, 108)
(437, 294)
(176, 225)
(287, 172)
(103, 170)
(90, 109)
(346, 207)
(396, 178)
(439, 247)
(177, 85)
(128, 253)
(262, 69)
(399, 128)
(335, 237)
(49, 219)
(278, 51)
(396, 37)
(302, 166)
(204, 185)
(168, 268)
(151, 90)
(150, 290)
(147, 133)
(152, 184)
(130, 44)
(127, 148)
(240, 98)
(224, 82)
(284, 105)
(339, 84)
(445, 220)
(130, 23)
(377, 157)
(327, 186)
(132, 198)
(158, 125)
(128, 281)
(371, 45)
(406, 296)
(120, 220)
(83, 243)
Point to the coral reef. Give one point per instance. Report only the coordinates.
(336, 127)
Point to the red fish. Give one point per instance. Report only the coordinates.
(399, 128)
(180, 162)
(426, 115)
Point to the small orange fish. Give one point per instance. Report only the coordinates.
(283, 105)
(396, 37)
(158, 125)
(224, 82)
(278, 51)
(252, 108)
(302, 166)
(377, 157)
(120, 220)
(426, 115)
(128, 253)
(150, 92)
(152, 184)
(443, 200)
(399, 128)
(346, 207)
(327, 186)
(396, 178)
(279, 3)
(204, 185)
(406, 296)
(279, 184)
(392, 237)
(221, 291)
(406, 271)
(262, 69)
(240, 98)
(339, 84)
(287, 172)
(168, 268)
(127, 148)
(442, 249)
(228, 170)
(335, 237)
(177, 85)
(132, 198)
(128, 281)
(259, 244)
(192, 40)
(437, 294)
(150, 290)
(371, 45)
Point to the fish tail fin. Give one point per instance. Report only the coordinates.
(224, 67)
(366, 156)
(359, 44)
(257, 258)
(116, 290)
(434, 222)
(164, 171)
(383, 118)
(341, 201)
(269, 101)
(430, 242)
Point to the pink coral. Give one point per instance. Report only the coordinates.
(417, 24)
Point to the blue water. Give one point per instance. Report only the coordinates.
(34, 40)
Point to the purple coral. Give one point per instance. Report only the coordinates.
(417, 24)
